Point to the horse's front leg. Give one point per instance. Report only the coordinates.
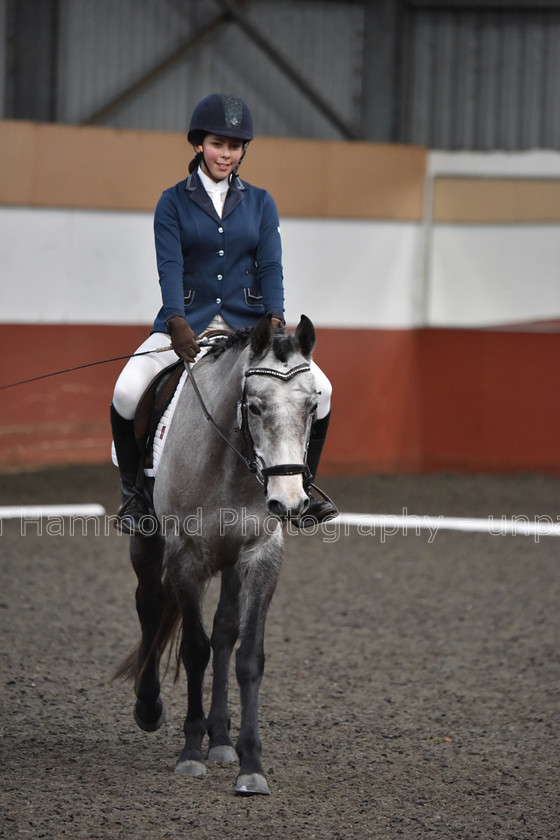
(258, 588)
(224, 636)
(195, 654)
(146, 554)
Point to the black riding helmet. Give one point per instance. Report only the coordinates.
(222, 114)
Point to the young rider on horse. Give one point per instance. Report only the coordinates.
(219, 260)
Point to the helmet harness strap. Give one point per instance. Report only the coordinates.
(234, 173)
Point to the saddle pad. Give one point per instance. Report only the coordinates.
(142, 419)
(163, 427)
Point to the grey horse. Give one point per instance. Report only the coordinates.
(257, 390)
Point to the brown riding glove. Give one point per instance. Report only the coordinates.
(183, 340)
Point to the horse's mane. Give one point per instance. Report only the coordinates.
(236, 340)
(283, 345)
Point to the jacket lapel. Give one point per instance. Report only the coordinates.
(198, 194)
(235, 196)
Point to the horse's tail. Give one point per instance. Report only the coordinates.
(167, 635)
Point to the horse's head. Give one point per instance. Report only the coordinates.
(278, 408)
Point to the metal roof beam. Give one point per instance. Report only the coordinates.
(288, 69)
(185, 49)
(486, 5)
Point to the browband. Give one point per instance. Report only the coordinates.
(285, 376)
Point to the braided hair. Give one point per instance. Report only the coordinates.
(195, 162)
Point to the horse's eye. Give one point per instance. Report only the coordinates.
(254, 409)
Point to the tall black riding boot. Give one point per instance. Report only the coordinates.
(134, 506)
(319, 510)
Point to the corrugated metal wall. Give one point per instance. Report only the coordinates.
(441, 73)
(2, 56)
(482, 79)
(106, 46)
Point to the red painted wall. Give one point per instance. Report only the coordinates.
(489, 401)
(404, 400)
(62, 419)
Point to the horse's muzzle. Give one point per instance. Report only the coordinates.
(285, 510)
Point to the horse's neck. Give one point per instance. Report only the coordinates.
(221, 383)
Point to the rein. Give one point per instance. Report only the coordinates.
(248, 463)
(256, 464)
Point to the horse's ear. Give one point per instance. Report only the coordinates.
(261, 336)
(305, 336)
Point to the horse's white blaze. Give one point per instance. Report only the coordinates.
(280, 435)
(287, 449)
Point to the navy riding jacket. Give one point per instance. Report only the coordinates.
(208, 265)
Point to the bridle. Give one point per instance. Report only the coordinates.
(262, 472)
(255, 463)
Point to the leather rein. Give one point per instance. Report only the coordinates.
(255, 464)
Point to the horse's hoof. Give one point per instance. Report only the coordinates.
(190, 767)
(222, 755)
(251, 783)
(149, 723)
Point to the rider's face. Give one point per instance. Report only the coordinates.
(221, 155)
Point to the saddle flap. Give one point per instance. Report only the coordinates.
(154, 401)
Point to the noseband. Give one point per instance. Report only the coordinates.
(257, 464)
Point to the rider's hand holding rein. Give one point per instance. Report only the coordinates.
(183, 340)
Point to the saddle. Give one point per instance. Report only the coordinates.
(154, 403)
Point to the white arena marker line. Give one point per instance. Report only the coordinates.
(540, 526)
(38, 511)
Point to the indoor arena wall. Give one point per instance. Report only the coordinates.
(432, 279)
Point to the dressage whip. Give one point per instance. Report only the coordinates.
(88, 364)
(251, 465)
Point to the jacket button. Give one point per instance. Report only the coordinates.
(220, 230)
(218, 300)
(219, 277)
(220, 253)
